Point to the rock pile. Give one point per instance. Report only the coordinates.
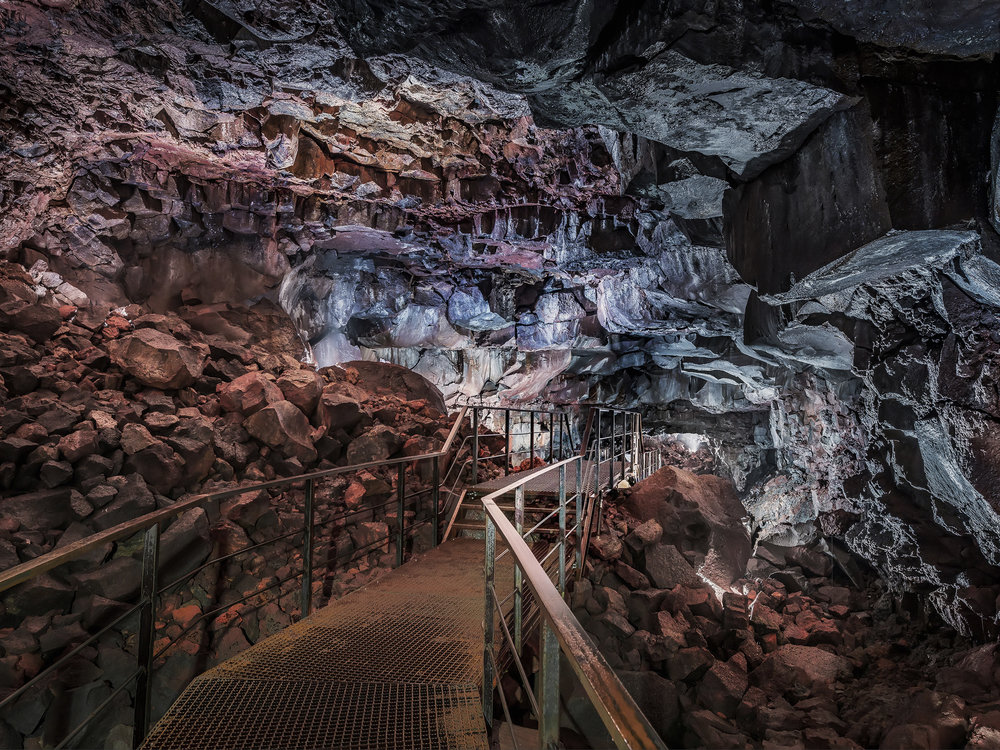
(106, 417)
(794, 655)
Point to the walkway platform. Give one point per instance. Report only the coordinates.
(394, 665)
(547, 485)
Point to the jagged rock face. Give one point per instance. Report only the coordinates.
(685, 206)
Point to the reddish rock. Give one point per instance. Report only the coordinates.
(398, 382)
(283, 426)
(801, 670)
(135, 437)
(667, 567)
(354, 495)
(337, 410)
(697, 513)
(377, 444)
(159, 465)
(37, 320)
(722, 687)
(248, 394)
(644, 535)
(301, 387)
(76, 445)
(157, 359)
(606, 546)
(689, 664)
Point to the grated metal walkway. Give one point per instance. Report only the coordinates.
(394, 665)
(548, 483)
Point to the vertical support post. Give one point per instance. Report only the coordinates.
(307, 549)
(506, 434)
(475, 444)
(579, 515)
(552, 435)
(548, 692)
(597, 469)
(562, 529)
(518, 575)
(488, 676)
(436, 500)
(400, 512)
(624, 438)
(562, 421)
(531, 440)
(147, 634)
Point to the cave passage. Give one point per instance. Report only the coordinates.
(288, 289)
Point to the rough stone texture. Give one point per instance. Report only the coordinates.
(282, 425)
(699, 514)
(156, 359)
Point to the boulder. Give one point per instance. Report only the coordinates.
(157, 359)
(801, 670)
(337, 410)
(378, 444)
(185, 544)
(722, 687)
(159, 465)
(283, 426)
(40, 511)
(666, 567)
(301, 387)
(76, 445)
(133, 499)
(248, 394)
(38, 321)
(397, 381)
(656, 698)
(699, 514)
(37, 596)
(118, 579)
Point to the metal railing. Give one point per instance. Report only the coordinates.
(559, 422)
(559, 631)
(148, 648)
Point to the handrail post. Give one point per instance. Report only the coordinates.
(518, 582)
(400, 512)
(548, 692)
(552, 441)
(597, 452)
(475, 445)
(436, 499)
(531, 440)
(147, 634)
(506, 434)
(307, 549)
(624, 440)
(579, 514)
(489, 566)
(562, 529)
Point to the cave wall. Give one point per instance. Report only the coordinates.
(772, 222)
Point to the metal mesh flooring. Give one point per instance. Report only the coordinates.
(548, 483)
(394, 665)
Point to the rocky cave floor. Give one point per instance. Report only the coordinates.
(813, 652)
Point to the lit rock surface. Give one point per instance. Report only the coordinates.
(773, 226)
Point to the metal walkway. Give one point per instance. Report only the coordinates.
(396, 664)
(548, 484)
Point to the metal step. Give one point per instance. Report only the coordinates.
(482, 527)
(511, 508)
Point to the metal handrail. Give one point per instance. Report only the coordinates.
(560, 631)
(44, 563)
(150, 591)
